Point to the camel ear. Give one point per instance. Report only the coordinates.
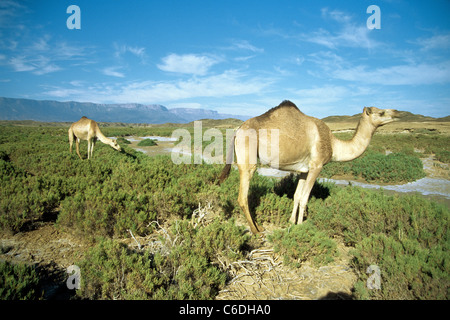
(367, 111)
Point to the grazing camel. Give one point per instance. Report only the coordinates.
(305, 145)
(87, 129)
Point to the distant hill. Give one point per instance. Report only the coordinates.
(405, 116)
(55, 111)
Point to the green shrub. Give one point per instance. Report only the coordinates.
(122, 140)
(408, 269)
(112, 271)
(147, 143)
(354, 213)
(299, 243)
(372, 166)
(405, 236)
(18, 282)
(443, 156)
(190, 270)
(274, 209)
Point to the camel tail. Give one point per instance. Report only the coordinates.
(225, 173)
(226, 170)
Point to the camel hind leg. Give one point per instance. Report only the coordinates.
(245, 174)
(71, 137)
(92, 147)
(89, 150)
(77, 143)
(246, 146)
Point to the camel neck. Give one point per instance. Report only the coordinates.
(102, 138)
(353, 148)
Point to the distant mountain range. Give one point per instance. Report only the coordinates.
(55, 111)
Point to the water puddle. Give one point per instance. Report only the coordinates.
(425, 186)
(164, 145)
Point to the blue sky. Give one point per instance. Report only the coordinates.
(236, 57)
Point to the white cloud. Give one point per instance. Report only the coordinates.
(348, 34)
(120, 50)
(227, 84)
(41, 44)
(9, 10)
(245, 45)
(112, 71)
(39, 65)
(420, 74)
(47, 68)
(44, 56)
(320, 101)
(20, 64)
(440, 41)
(332, 65)
(188, 64)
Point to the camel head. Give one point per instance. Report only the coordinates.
(380, 117)
(115, 145)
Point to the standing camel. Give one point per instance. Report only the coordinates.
(87, 129)
(305, 145)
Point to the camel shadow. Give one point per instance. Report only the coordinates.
(128, 154)
(288, 184)
(337, 296)
(285, 186)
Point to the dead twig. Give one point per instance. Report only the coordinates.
(132, 235)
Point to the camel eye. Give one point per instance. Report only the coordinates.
(382, 114)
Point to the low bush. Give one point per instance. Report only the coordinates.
(299, 243)
(354, 213)
(122, 140)
(147, 143)
(373, 166)
(408, 269)
(189, 270)
(18, 282)
(405, 236)
(443, 156)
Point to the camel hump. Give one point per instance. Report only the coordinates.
(83, 117)
(282, 107)
(287, 103)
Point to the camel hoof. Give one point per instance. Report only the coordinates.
(257, 229)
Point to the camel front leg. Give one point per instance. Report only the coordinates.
(304, 195)
(297, 195)
(245, 174)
